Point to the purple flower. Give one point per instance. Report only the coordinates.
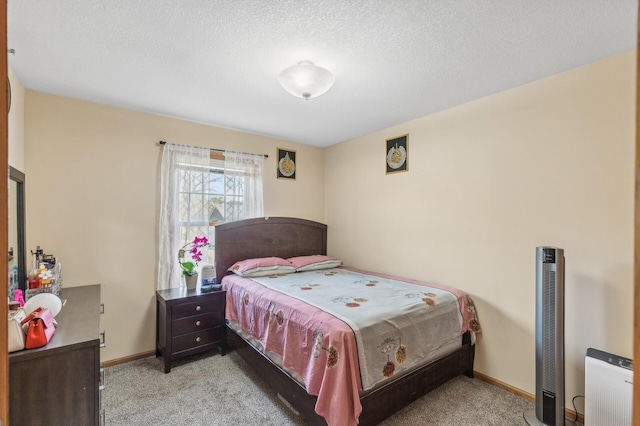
(200, 241)
(196, 254)
(194, 250)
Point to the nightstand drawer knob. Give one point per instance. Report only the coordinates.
(198, 339)
(198, 308)
(198, 323)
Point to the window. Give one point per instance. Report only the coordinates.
(201, 200)
(200, 189)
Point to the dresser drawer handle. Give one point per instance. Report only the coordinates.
(198, 323)
(198, 308)
(198, 339)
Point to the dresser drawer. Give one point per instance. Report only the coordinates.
(200, 307)
(196, 323)
(199, 338)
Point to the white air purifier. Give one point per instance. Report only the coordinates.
(608, 393)
(549, 403)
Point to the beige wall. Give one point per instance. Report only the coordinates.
(16, 123)
(548, 163)
(92, 199)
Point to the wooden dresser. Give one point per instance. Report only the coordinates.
(59, 384)
(189, 322)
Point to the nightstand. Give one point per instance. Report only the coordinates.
(189, 322)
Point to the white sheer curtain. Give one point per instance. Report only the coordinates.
(243, 186)
(194, 162)
(190, 185)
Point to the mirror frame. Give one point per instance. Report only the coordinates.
(18, 177)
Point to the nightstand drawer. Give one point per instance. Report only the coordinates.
(199, 338)
(200, 307)
(196, 323)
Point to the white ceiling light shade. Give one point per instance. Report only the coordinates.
(306, 80)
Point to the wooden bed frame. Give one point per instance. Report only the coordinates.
(287, 237)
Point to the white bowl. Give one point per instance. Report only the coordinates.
(45, 300)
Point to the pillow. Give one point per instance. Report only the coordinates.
(312, 263)
(261, 267)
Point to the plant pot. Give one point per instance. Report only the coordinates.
(191, 281)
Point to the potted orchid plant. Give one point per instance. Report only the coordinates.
(194, 249)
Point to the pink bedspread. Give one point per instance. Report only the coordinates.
(318, 346)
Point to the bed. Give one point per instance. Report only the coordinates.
(289, 237)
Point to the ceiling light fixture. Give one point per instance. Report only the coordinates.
(306, 80)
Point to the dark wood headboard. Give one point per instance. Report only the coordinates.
(267, 236)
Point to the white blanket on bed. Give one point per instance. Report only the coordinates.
(397, 325)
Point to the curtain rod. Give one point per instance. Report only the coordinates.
(213, 149)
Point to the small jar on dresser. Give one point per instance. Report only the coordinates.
(189, 322)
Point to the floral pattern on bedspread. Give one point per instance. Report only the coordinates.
(344, 332)
(313, 343)
(467, 308)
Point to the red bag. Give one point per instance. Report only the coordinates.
(39, 328)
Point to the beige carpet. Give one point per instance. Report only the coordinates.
(215, 390)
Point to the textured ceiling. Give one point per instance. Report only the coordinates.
(217, 62)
